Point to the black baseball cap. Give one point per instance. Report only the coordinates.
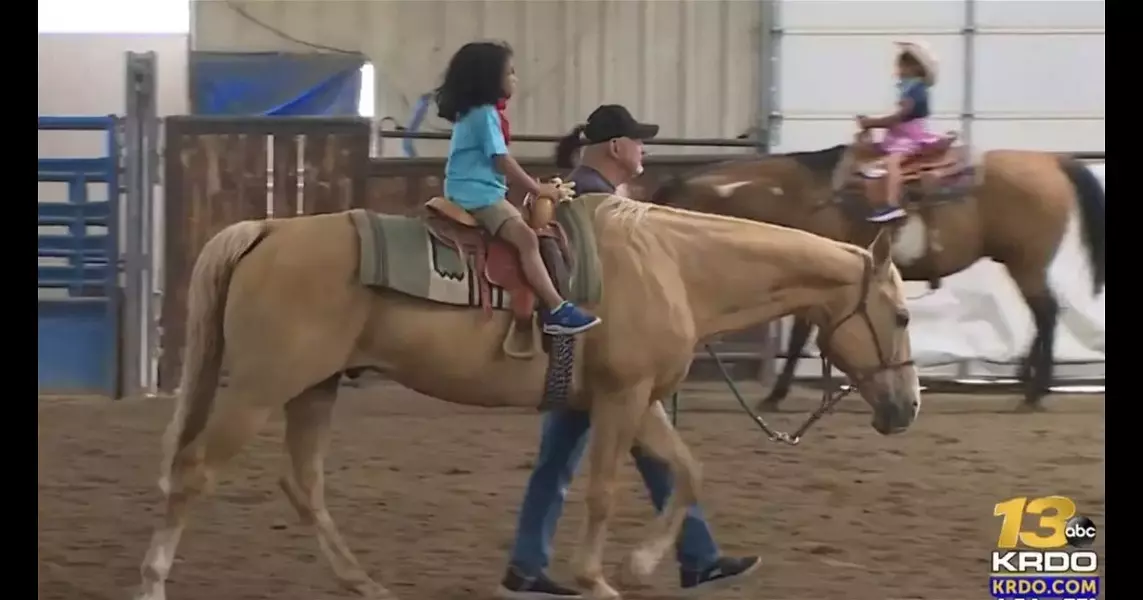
(612, 121)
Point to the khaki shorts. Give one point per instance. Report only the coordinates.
(494, 216)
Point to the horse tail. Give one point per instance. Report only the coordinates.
(1090, 195)
(202, 361)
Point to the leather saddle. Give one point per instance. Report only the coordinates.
(921, 173)
(496, 263)
(941, 159)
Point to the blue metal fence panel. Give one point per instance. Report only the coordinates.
(78, 316)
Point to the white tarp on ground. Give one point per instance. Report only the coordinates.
(978, 326)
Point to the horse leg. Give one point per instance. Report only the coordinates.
(1040, 364)
(799, 337)
(615, 420)
(660, 439)
(308, 419)
(1031, 278)
(235, 421)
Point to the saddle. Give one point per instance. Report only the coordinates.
(921, 174)
(940, 171)
(496, 263)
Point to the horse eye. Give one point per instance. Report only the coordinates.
(902, 319)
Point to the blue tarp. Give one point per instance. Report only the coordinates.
(275, 84)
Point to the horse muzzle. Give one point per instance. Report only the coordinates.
(892, 415)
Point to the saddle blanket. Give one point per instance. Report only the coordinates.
(398, 253)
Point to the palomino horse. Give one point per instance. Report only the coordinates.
(280, 301)
(1012, 207)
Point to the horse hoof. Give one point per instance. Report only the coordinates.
(1030, 406)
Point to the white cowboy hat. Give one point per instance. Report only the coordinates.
(924, 55)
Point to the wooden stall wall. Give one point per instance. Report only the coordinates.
(220, 171)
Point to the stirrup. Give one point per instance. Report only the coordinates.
(527, 349)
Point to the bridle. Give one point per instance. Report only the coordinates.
(830, 396)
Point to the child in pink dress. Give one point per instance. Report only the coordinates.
(906, 130)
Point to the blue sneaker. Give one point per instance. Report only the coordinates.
(884, 215)
(569, 319)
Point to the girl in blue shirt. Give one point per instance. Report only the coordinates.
(479, 169)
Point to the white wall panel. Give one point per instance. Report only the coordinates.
(814, 16)
(837, 62)
(1039, 15)
(1054, 135)
(1036, 80)
(1039, 74)
(690, 66)
(842, 75)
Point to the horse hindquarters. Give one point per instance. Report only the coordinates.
(295, 309)
(282, 296)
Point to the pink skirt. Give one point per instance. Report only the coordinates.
(908, 138)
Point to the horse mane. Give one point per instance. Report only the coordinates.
(797, 246)
(625, 211)
(819, 162)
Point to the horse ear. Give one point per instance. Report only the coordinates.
(881, 249)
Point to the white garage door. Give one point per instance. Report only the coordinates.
(1014, 74)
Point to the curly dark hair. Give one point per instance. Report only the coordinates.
(475, 77)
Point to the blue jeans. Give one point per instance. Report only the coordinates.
(561, 448)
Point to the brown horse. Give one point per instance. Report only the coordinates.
(280, 301)
(1012, 207)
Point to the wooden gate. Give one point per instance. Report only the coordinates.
(219, 171)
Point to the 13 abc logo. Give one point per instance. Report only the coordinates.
(1056, 523)
(1080, 532)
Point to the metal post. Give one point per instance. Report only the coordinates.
(967, 110)
(152, 227)
(136, 230)
(968, 104)
(770, 60)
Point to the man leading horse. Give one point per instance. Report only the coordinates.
(610, 144)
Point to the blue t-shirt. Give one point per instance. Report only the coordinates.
(471, 178)
(915, 89)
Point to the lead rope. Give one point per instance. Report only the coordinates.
(830, 398)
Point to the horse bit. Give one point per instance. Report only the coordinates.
(830, 397)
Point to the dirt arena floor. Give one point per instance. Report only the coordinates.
(427, 494)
